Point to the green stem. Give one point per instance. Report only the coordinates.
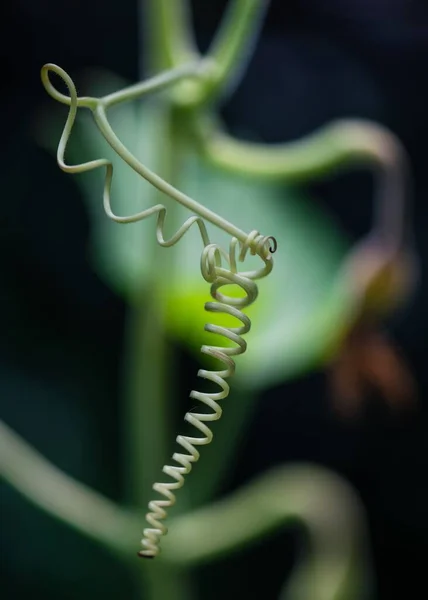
(172, 43)
(164, 33)
(158, 182)
(337, 144)
(145, 423)
(166, 581)
(323, 503)
(167, 34)
(152, 376)
(231, 48)
(157, 83)
(64, 498)
(148, 422)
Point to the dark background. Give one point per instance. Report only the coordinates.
(62, 327)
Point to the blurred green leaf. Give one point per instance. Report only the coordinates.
(301, 307)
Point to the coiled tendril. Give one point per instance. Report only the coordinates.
(212, 268)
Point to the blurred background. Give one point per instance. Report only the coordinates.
(62, 327)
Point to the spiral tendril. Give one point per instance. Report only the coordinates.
(213, 270)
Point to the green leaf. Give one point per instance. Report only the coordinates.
(302, 306)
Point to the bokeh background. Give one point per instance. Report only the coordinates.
(62, 327)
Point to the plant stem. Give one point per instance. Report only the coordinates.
(152, 377)
(311, 495)
(158, 182)
(156, 83)
(167, 582)
(145, 422)
(148, 356)
(166, 34)
(322, 502)
(334, 145)
(63, 497)
(232, 46)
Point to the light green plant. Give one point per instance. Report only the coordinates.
(179, 128)
(212, 269)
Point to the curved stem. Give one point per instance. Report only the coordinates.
(322, 502)
(63, 497)
(167, 26)
(100, 117)
(230, 50)
(232, 46)
(155, 84)
(159, 183)
(338, 144)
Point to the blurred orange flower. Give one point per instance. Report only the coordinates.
(366, 360)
